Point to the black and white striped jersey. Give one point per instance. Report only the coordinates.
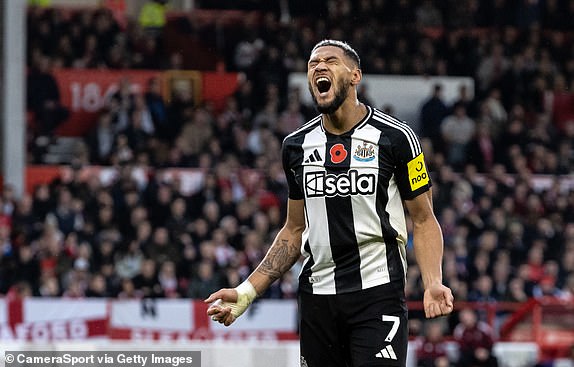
(353, 186)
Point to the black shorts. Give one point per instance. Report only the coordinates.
(358, 329)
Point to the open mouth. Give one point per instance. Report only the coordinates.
(323, 84)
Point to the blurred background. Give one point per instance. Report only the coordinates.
(141, 168)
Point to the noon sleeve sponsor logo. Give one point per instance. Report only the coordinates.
(319, 184)
(418, 176)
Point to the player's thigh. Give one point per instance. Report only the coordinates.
(320, 341)
(381, 337)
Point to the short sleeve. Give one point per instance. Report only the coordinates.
(295, 192)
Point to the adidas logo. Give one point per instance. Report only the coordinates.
(387, 353)
(314, 157)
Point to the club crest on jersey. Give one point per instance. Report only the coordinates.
(319, 184)
(338, 153)
(364, 152)
(418, 176)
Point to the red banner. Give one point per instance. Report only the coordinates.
(53, 319)
(48, 320)
(84, 92)
(187, 320)
(217, 86)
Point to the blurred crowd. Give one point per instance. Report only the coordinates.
(501, 156)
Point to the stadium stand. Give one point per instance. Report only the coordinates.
(117, 224)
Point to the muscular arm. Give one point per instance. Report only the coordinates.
(428, 245)
(427, 238)
(285, 250)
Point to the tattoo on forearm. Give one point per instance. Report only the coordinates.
(279, 259)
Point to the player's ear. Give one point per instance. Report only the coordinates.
(356, 76)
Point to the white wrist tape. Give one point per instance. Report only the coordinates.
(246, 293)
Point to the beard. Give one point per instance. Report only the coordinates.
(341, 94)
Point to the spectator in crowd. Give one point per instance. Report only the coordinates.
(161, 248)
(562, 108)
(492, 68)
(567, 292)
(428, 15)
(168, 279)
(457, 131)
(121, 103)
(129, 291)
(482, 291)
(157, 108)
(481, 148)
(101, 139)
(291, 118)
(8, 257)
(128, 263)
(496, 115)
(43, 97)
(546, 288)
(516, 291)
(433, 111)
(146, 281)
(97, 286)
(432, 349)
(205, 282)
(475, 340)
(49, 287)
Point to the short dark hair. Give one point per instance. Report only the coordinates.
(347, 49)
